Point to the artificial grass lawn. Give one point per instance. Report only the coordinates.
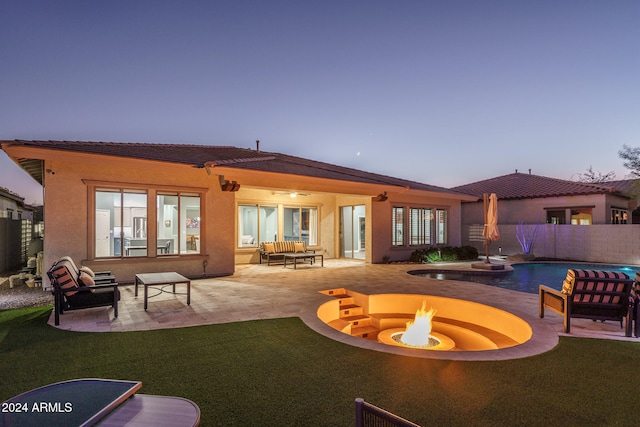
(281, 373)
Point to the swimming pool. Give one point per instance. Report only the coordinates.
(524, 277)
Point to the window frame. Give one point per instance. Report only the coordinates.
(398, 212)
(619, 216)
(182, 223)
(301, 222)
(151, 190)
(258, 226)
(432, 224)
(280, 209)
(423, 234)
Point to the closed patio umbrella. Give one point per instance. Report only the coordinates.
(490, 231)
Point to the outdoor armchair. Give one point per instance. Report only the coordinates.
(590, 294)
(75, 289)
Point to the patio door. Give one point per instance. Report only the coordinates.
(352, 232)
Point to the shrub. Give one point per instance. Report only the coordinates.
(443, 253)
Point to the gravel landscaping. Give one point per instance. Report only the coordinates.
(21, 295)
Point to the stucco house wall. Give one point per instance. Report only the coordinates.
(68, 193)
(381, 215)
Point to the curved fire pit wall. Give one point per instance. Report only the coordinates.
(388, 306)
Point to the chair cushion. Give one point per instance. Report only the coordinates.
(282, 247)
(575, 280)
(87, 270)
(86, 280)
(269, 247)
(65, 280)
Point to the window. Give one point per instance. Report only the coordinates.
(427, 226)
(441, 226)
(261, 223)
(397, 226)
(420, 226)
(178, 223)
(120, 223)
(619, 216)
(301, 224)
(582, 216)
(256, 224)
(556, 217)
(121, 228)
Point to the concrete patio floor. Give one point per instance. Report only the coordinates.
(261, 292)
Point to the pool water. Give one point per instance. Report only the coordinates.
(524, 277)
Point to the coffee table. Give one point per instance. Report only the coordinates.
(158, 281)
(86, 402)
(302, 256)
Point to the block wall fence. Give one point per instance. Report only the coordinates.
(617, 244)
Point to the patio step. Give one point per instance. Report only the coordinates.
(337, 292)
(340, 325)
(358, 320)
(366, 332)
(346, 300)
(349, 310)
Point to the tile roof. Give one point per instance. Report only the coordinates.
(626, 186)
(527, 186)
(228, 156)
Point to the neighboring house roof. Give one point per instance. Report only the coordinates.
(626, 186)
(528, 186)
(241, 158)
(5, 193)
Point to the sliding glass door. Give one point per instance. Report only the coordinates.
(352, 232)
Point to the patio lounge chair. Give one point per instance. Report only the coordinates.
(590, 294)
(76, 289)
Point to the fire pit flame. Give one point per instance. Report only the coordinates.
(418, 332)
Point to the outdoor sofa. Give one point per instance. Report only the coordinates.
(78, 288)
(591, 294)
(274, 252)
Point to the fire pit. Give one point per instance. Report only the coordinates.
(403, 320)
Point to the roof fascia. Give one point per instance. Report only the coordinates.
(16, 152)
(257, 179)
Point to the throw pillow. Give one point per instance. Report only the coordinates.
(269, 247)
(87, 270)
(299, 247)
(86, 280)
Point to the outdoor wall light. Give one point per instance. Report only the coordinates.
(381, 197)
(50, 171)
(226, 185)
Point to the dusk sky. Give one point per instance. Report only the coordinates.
(441, 92)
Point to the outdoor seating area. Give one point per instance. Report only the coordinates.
(80, 288)
(281, 252)
(591, 294)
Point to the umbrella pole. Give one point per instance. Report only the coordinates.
(485, 197)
